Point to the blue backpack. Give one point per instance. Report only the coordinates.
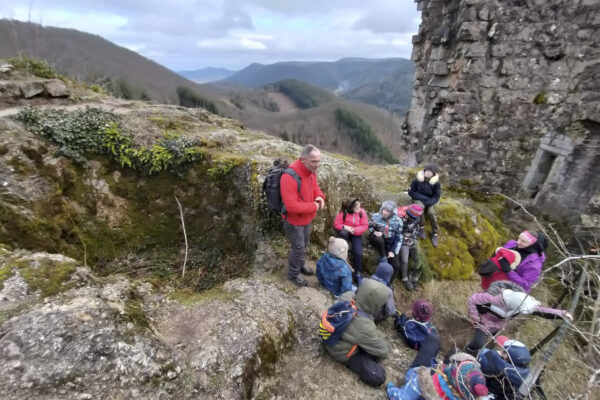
(412, 331)
(335, 320)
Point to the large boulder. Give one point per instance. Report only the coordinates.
(117, 338)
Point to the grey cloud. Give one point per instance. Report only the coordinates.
(387, 19)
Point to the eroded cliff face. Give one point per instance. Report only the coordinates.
(506, 98)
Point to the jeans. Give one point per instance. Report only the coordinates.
(356, 245)
(379, 243)
(299, 236)
(430, 212)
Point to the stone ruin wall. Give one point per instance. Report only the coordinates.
(507, 99)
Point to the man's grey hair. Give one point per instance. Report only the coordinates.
(309, 148)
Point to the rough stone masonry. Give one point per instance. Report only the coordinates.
(507, 99)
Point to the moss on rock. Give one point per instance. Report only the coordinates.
(466, 239)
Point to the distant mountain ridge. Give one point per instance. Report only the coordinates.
(290, 109)
(90, 58)
(205, 75)
(384, 82)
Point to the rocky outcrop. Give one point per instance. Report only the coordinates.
(116, 338)
(495, 83)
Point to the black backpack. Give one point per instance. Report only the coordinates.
(272, 185)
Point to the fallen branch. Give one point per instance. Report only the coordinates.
(184, 236)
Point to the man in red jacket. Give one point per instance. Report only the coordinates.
(301, 207)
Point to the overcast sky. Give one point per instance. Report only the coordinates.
(193, 34)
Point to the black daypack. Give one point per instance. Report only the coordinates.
(272, 185)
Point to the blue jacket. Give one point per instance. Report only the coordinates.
(502, 377)
(391, 228)
(334, 273)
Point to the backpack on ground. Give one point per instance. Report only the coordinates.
(412, 331)
(272, 184)
(335, 320)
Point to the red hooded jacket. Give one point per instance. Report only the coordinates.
(300, 209)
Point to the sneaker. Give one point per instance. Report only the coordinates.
(307, 271)
(421, 234)
(434, 239)
(298, 281)
(408, 285)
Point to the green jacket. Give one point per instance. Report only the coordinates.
(370, 297)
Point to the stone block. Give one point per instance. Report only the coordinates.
(471, 31)
(524, 33)
(56, 88)
(416, 39)
(485, 13)
(555, 50)
(416, 53)
(31, 89)
(474, 66)
(4, 67)
(558, 68)
(10, 89)
(477, 49)
(440, 35)
(468, 14)
(588, 80)
(554, 98)
(439, 81)
(437, 68)
(488, 81)
(437, 53)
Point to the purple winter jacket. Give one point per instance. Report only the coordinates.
(528, 271)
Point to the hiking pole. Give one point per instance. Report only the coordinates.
(532, 380)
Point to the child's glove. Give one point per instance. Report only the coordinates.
(504, 265)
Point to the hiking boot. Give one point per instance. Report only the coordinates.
(413, 277)
(434, 239)
(307, 271)
(421, 234)
(408, 285)
(298, 281)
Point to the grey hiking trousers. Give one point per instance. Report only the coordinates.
(299, 236)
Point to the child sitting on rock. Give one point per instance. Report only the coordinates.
(491, 310)
(415, 328)
(383, 274)
(332, 269)
(385, 234)
(351, 222)
(410, 230)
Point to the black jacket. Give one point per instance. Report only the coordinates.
(428, 192)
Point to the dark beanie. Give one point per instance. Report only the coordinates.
(431, 167)
(384, 271)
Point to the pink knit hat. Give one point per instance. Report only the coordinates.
(414, 211)
(422, 310)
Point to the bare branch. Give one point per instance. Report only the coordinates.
(184, 236)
